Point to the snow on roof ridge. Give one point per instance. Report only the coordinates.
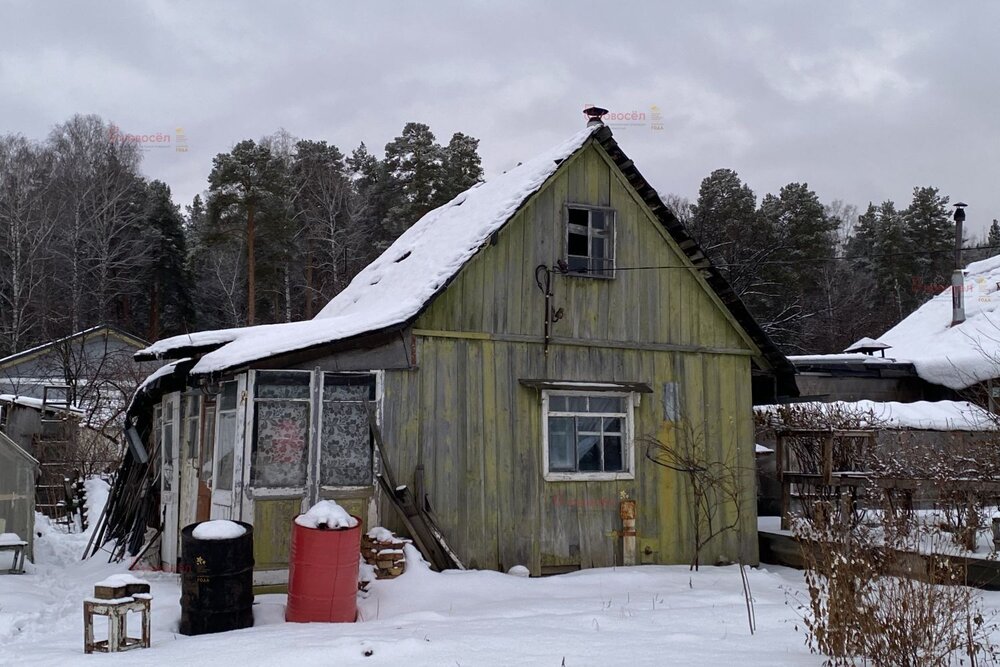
(397, 285)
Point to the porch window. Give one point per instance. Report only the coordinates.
(281, 425)
(228, 402)
(346, 448)
(167, 443)
(590, 241)
(588, 435)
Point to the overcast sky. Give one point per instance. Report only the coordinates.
(861, 100)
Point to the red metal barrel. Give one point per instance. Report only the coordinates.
(323, 574)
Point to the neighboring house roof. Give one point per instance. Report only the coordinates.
(38, 404)
(961, 355)
(920, 415)
(14, 447)
(394, 289)
(26, 355)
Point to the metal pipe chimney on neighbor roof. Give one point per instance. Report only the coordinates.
(957, 276)
(594, 115)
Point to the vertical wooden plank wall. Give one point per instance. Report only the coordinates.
(464, 416)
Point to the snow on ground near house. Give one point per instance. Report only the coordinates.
(958, 356)
(394, 287)
(647, 615)
(924, 415)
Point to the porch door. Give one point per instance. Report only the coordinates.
(346, 461)
(310, 440)
(278, 467)
(169, 479)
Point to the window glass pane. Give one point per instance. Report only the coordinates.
(588, 453)
(579, 264)
(345, 450)
(228, 399)
(280, 452)
(588, 425)
(346, 391)
(578, 216)
(226, 445)
(557, 403)
(561, 444)
(613, 460)
(207, 446)
(168, 451)
(283, 384)
(607, 404)
(577, 244)
(597, 220)
(597, 248)
(577, 403)
(603, 267)
(612, 425)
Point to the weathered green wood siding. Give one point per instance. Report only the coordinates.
(477, 431)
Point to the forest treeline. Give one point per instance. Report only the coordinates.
(285, 223)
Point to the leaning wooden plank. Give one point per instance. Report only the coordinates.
(437, 555)
(390, 493)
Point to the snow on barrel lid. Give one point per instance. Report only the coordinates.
(326, 514)
(219, 529)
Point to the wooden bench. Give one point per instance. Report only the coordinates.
(12, 542)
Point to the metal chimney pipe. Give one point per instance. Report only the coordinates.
(594, 115)
(958, 277)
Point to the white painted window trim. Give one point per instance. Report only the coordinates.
(628, 438)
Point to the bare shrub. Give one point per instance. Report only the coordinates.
(873, 600)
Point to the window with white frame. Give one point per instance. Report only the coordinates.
(588, 435)
(590, 240)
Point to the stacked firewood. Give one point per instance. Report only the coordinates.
(384, 551)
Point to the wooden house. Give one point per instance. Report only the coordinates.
(520, 346)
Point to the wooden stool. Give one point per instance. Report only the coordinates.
(115, 600)
(17, 546)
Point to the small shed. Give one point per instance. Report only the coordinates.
(18, 472)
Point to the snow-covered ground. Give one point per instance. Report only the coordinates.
(626, 616)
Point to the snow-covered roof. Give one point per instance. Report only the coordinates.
(37, 403)
(961, 355)
(395, 287)
(921, 415)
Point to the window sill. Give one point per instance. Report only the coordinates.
(588, 476)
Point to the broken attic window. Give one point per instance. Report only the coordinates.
(590, 241)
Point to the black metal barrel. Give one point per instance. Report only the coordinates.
(216, 583)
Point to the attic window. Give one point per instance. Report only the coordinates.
(590, 236)
(402, 257)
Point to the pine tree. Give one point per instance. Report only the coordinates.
(245, 179)
(414, 162)
(168, 298)
(724, 221)
(461, 169)
(931, 233)
(993, 238)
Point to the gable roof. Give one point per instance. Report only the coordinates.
(954, 356)
(38, 350)
(394, 289)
